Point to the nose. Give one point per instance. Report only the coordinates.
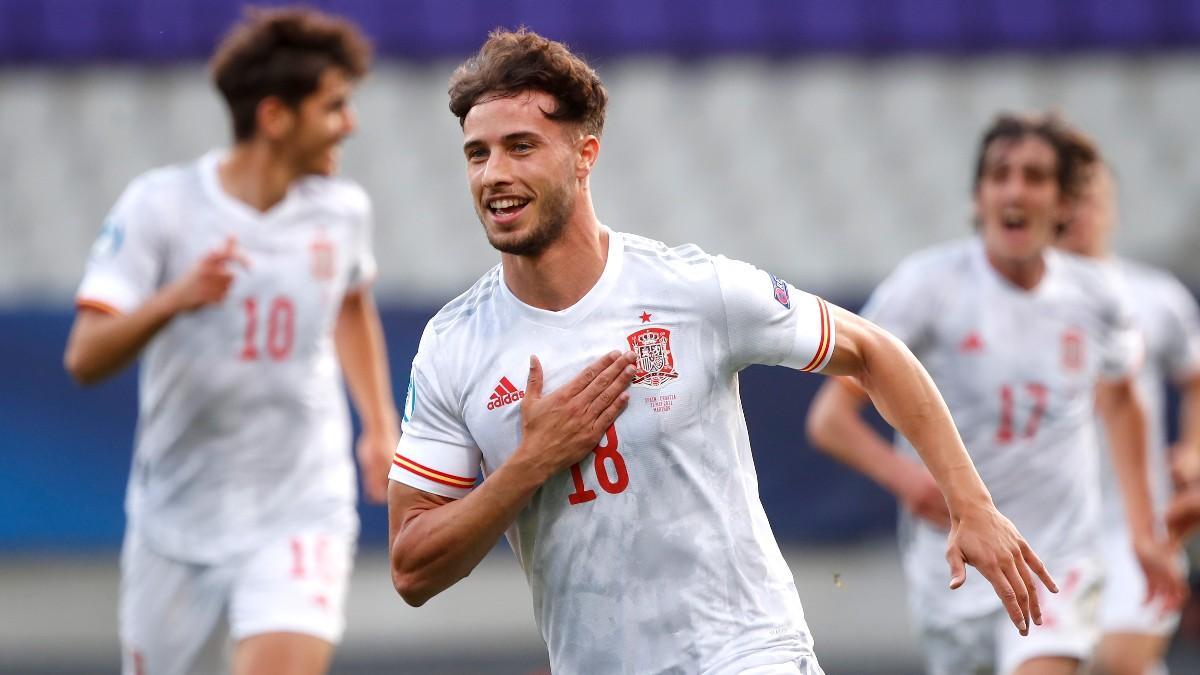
(496, 170)
(1014, 187)
(349, 120)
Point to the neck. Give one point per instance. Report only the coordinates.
(1024, 274)
(254, 174)
(560, 276)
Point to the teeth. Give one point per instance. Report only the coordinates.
(505, 203)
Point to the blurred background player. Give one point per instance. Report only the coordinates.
(1135, 634)
(645, 544)
(1019, 339)
(243, 280)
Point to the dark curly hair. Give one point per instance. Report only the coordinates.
(1076, 153)
(511, 62)
(283, 53)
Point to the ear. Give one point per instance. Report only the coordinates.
(589, 150)
(274, 118)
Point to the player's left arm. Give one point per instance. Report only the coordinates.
(1124, 418)
(363, 355)
(906, 396)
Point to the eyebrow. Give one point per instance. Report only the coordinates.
(507, 138)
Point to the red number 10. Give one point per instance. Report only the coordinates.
(606, 450)
(281, 329)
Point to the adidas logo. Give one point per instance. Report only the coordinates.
(504, 394)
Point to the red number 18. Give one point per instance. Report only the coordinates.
(606, 450)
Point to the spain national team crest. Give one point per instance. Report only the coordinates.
(322, 258)
(1072, 349)
(655, 363)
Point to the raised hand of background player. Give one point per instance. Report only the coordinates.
(209, 279)
(920, 494)
(983, 538)
(562, 427)
(1164, 578)
(374, 449)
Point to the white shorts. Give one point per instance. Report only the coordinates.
(991, 644)
(178, 617)
(1121, 607)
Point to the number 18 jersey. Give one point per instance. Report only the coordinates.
(653, 554)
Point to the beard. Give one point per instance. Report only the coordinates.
(557, 206)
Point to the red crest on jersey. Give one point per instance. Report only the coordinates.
(322, 258)
(1072, 349)
(655, 362)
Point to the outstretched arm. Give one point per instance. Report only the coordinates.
(436, 541)
(363, 355)
(905, 395)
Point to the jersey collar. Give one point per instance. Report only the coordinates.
(565, 318)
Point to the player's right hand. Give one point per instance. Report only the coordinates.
(562, 427)
(208, 281)
(983, 538)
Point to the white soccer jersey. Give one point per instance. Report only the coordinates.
(653, 554)
(1166, 313)
(1018, 370)
(243, 429)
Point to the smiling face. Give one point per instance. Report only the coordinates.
(1017, 200)
(522, 170)
(318, 125)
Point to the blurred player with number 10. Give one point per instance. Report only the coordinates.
(242, 278)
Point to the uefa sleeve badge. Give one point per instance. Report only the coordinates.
(781, 291)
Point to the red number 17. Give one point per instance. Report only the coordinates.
(1036, 390)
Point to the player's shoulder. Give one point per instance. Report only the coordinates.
(465, 308)
(1091, 273)
(645, 248)
(336, 193)
(1143, 274)
(162, 183)
(650, 258)
(952, 255)
(950, 261)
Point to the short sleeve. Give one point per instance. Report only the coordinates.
(436, 452)
(125, 266)
(362, 264)
(1122, 346)
(771, 322)
(1182, 357)
(903, 305)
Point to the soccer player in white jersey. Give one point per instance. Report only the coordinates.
(1136, 634)
(1021, 340)
(242, 279)
(641, 534)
